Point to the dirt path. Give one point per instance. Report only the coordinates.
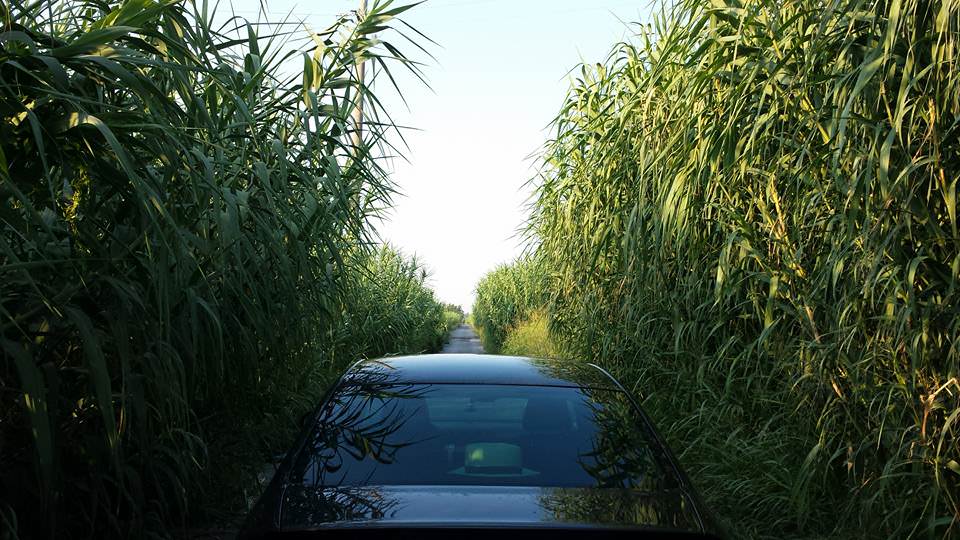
(463, 340)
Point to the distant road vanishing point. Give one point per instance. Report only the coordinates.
(463, 340)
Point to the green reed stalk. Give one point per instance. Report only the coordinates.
(183, 218)
(750, 212)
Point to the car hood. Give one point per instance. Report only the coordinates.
(308, 508)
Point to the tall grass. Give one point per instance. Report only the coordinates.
(750, 212)
(183, 229)
(393, 311)
(504, 297)
(452, 318)
(531, 337)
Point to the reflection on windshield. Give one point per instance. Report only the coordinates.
(374, 433)
(616, 456)
(619, 506)
(315, 507)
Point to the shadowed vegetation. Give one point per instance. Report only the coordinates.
(750, 212)
(185, 251)
(392, 311)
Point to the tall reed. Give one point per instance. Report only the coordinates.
(179, 221)
(750, 212)
(506, 296)
(390, 309)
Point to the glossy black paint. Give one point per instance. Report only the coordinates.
(306, 508)
(478, 369)
(288, 506)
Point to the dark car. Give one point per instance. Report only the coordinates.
(468, 445)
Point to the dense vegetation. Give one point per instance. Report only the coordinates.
(531, 337)
(185, 252)
(750, 213)
(509, 312)
(505, 297)
(453, 317)
(390, 310)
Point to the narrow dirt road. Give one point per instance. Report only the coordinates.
(463, 340)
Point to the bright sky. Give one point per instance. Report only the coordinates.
(500, 76)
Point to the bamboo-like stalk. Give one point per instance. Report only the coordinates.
(180, 252)
(506, 297)
(750, 212)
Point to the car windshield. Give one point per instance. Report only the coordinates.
(459, 434)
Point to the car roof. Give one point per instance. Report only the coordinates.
(478, 369)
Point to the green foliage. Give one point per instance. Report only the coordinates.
(389, 309)
(469, 320)
(531, 337)
(454, 308)
(751, 213)
(505, 297)
(453, 317)
(451, 320)
(182, 231)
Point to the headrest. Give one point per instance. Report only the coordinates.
(547, 414)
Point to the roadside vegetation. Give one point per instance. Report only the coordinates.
(531, 337)
(391, 310)
(749, 212)
(509, 313)
(186, 252)
(504, 298)
(453, 317)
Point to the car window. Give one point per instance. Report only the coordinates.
(455, 434)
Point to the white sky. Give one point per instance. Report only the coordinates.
(500, 76)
